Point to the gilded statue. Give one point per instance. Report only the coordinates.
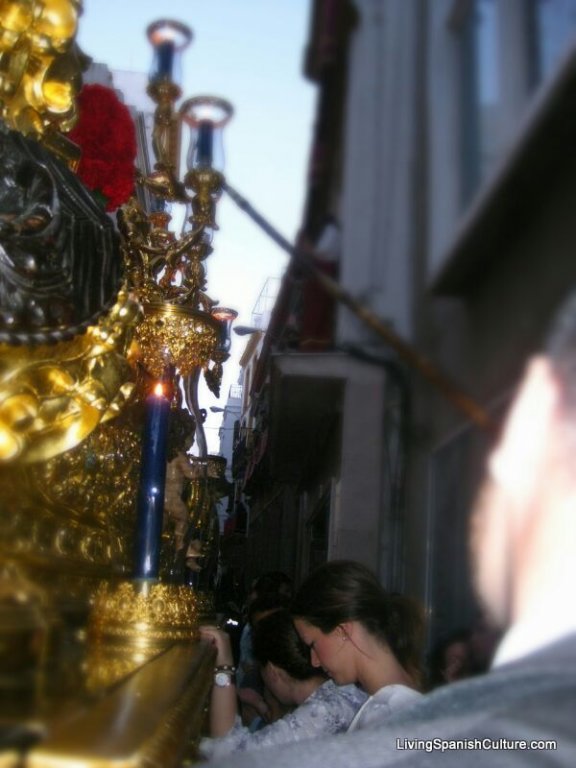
(40, 68)
(60, 262)
(65, 326)
(180, 470)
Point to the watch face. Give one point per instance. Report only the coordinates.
(222, 679)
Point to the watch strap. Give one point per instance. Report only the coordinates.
(229, 668)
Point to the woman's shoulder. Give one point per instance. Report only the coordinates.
(330, 692)
(382, 704)
(396, 695)
(331, 708)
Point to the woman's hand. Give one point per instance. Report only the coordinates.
(221, 641)
(253, 699)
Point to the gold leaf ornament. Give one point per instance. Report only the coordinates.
(40, 65)
(52, 397)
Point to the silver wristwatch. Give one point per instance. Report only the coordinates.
(224, 676)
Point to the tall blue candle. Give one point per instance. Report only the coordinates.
(165, 53)
(150, 505)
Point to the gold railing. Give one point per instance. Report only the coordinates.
(153, 719)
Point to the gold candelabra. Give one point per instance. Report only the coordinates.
(181, 335)
(182, 328)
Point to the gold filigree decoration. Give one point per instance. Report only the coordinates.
(168, 277)
(39, 530)
(158, 610)
(131, 622)
(160, 267)
(207, 185)
(175, 335)
(53, 397)
(40, 66)
(97, 481)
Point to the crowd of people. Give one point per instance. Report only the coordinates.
(338, 656)
(340, 661)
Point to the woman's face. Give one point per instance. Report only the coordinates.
(329, 650)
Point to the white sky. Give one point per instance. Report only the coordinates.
(251, 53)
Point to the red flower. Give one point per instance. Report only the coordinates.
(106, 135)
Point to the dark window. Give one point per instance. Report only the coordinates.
(480, 91)
(552, 24)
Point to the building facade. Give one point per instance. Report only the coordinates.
(442, 157)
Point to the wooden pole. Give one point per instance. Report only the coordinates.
(406, 351)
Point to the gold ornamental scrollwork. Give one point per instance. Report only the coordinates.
(175, 335)
(53, 397)
(159, 610)
(95, 484)
(40, 68)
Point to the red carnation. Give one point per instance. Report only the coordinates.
(106, 135)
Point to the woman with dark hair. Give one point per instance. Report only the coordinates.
(358, 633)
(321, 707)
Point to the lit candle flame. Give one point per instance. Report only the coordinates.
(159, 389)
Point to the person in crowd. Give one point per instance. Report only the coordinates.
(257, 705)
(523, 541)
(482, 644)
(273, 582)
(463, 653)
(359, 633)
(266, 586)
(450, 658)
(318, 705)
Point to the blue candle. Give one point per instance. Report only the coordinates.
(165, 58)
(204, 143)
(150, 505)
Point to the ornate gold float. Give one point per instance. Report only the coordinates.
(97, 667)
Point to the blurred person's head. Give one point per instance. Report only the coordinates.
(524, 524)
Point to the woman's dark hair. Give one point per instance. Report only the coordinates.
(276, 640)
(264, 604)
(273, 582)
(343, 590)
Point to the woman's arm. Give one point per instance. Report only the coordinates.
(328, 710)
(223, 703)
